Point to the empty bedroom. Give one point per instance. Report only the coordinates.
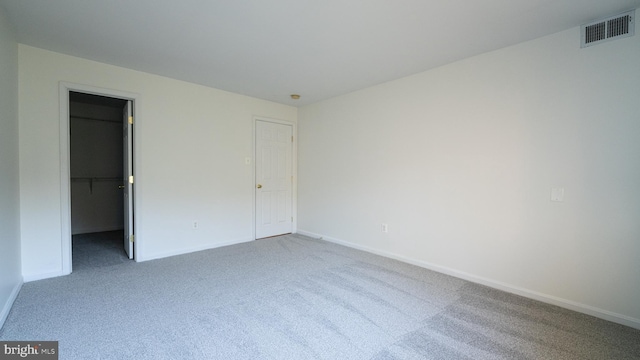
(334, 180)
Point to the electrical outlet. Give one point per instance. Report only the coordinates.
(194, 225)
(385, 228)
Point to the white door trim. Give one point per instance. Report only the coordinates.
(294, 171)
(65, 186)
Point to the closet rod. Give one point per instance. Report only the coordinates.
(96, 179)
(95, 119)
(91, 180)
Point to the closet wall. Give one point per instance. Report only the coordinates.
(96, 164)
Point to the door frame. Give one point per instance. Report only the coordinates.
(65, 162)
(294, 171)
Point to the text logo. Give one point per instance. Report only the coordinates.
(29, 350)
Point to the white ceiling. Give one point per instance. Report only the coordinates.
(270, 49)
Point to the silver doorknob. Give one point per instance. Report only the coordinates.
(259, 186)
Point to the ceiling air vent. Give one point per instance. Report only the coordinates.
(615, 27)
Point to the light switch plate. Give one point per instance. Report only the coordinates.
(557, 194)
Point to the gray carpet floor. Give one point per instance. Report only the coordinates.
(293, 297)
(98, 250)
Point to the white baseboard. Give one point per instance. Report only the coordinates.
(549, 299)
(41, 276)
(6, 308)
(52, 274)
(193, 249)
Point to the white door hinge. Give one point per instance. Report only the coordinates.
(130, 119)
(131, 179)
(131, 238)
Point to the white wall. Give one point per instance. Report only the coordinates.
(10, 272)
(96, 153)
(460, 162)
(191, 142)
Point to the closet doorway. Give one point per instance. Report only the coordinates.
(100, 163)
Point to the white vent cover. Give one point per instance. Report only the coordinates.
(615, 27)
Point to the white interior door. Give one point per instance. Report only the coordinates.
(128, 177)
(274, 180)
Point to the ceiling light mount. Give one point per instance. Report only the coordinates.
(295, 96)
